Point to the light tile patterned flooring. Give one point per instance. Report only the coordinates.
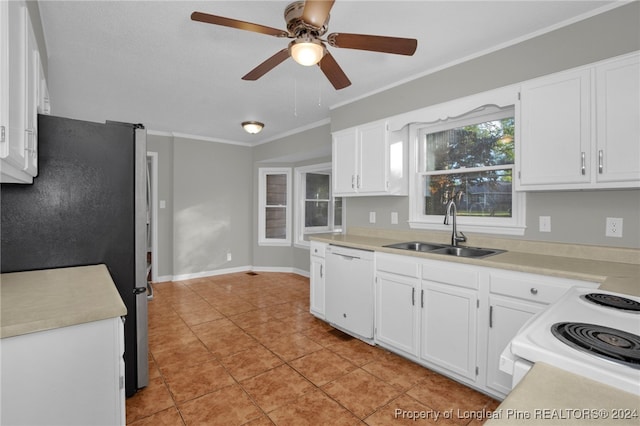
(242, 349)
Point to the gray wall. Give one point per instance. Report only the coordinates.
(163, 146)
(207, 187)
(310, 147)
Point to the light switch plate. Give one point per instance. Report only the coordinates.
(394, 218)
(372, 217)
(545, 223)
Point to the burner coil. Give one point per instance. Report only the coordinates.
(605, 342)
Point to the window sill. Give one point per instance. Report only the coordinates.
(275, 243)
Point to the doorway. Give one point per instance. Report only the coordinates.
(152, 220)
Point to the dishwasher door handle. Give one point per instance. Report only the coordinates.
(346, 256)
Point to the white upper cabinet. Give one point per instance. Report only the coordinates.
(580, 128)
(367, 162)
(618, 124)
(24, 94)
(556, 128)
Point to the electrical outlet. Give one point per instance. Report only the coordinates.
(394, 218)
(614, 227)
(228, 256)
(372, 217)
(544, 223)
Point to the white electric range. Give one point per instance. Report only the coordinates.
(589, 332)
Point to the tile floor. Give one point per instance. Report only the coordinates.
(242, 349)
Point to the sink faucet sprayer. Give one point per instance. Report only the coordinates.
(451, 210)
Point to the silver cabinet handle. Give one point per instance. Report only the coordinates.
(422, 298)
(413, 296)
(321, 266)
(353, 181)
(490, 316)
(583, 169)
(534, 290)
(358, 181)
(600, 165)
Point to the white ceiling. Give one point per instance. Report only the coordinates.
(147, 62)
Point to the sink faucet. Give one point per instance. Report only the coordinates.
(452, 211)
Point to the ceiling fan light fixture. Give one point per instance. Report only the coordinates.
(306, 51)
(252, 127)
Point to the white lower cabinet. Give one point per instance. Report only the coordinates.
(432, 321)
(449, 318)
(448, 328)
(455, 318)
(316, 278)
(398, 303)
(506, 316)
(514, 297)
(66, 376)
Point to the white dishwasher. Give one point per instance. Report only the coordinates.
(349, 291)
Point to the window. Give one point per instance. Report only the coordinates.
(316, 208)
(274, 198)
(470, 160)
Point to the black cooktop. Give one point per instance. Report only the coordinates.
(613, 301)
(605, 342)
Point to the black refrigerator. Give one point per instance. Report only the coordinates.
(86, 206)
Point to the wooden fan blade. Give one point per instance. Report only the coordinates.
(374, 43)
(240, 25)
(315, 12)
(267, 65)
(333, 72)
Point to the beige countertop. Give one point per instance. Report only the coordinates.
(52, 298)
(551, 396)
(614, 269)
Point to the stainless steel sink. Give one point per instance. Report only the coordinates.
(467, 251)
(416, 246)
(447, 250)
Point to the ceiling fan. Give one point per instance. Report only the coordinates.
(307, 21)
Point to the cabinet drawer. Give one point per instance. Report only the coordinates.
(317, 248)
(531, 287)
(450, 273)
(399, 265)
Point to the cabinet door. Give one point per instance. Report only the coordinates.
(316, 274)
(4, 74)
(448, 328)
(397, 312)
(345, 147)
(373, 161)
(618, 125)
(506, 316)
(14, 149)
(555, 137)
(32, 93)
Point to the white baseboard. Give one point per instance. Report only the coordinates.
(246, 268)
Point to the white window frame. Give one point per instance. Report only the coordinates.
(299, 203)
(454, 114)
(263, 172)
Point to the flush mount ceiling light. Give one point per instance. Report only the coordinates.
(306, 51)
(252, 127)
